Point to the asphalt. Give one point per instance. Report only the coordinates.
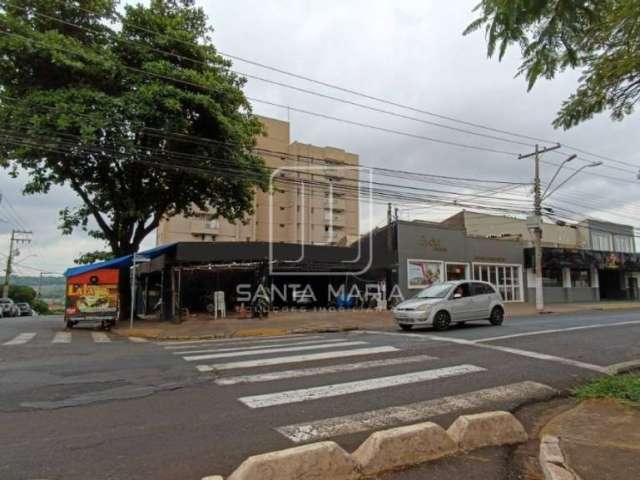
(125, 410)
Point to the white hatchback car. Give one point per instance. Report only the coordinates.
(442, 304)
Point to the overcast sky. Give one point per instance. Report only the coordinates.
(408, 51)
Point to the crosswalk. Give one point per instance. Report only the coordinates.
(64, 337)
(265, 364)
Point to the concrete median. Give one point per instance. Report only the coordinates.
(486, 429)
(402, 447)
(317, 460)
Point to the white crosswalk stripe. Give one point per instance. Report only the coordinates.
(347, 388)
(309, 372)
(62, 337)
(239, 341)
(257, 347)
(21, 339)
(100, 337)
(266, 351)
(486, 399)
(309, 357)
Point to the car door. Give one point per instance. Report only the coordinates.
(481, 300)
(461, 308)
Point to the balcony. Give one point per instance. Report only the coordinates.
(337, 204)
(337, 220)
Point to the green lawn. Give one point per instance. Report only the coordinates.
(623, 387)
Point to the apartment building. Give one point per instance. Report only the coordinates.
(314, 198)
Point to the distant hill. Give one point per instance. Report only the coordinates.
(51, 287)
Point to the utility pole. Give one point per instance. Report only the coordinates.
(389, 214)
(534, 222)
(15, 239)
(40, 285)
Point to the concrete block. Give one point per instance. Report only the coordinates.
(486, 429)
(550, 450)
(314, 461)
(555, 472)
(402, 447)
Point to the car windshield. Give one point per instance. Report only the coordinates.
(439, 290)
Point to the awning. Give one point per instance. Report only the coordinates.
(120, 262)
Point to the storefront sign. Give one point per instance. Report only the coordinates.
(490, 259)
(434, 244)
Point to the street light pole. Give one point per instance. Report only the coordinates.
(535, 223)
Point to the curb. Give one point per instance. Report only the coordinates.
(247, 333)
(384, 450)
(624, 367)
(552, 461)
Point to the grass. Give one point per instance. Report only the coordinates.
(623, 387)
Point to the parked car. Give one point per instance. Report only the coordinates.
(9, 309)
(443, 304)
(25, 309)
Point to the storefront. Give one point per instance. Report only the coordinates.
(419, 254)
(585, 275)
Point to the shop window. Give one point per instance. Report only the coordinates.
(505, 278)
(456, 271)
(552, 278)
(580, 278)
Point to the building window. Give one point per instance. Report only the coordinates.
(282, 225)
(507, 279)
(601, 241)
(552, 278)
(456, 271)
(580, 278)
(623, 244)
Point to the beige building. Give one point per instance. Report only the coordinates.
(314, 200)
(495, 226)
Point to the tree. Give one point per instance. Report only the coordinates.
(141, 118)
(600, 36)
(22, 293)
(40, 307)
(92, 257)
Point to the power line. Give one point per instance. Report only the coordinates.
(320, 115)
(364, 95)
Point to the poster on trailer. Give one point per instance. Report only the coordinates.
(93, 293)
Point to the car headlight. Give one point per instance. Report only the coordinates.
(423, 308)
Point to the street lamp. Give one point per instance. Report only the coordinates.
(567, 160)
(590, 165)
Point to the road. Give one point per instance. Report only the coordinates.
(85, 404)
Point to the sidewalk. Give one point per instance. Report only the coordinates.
(283, 323)
(600, 439)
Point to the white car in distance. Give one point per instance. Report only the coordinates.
(443, 304)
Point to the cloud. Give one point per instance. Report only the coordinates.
(412, 52)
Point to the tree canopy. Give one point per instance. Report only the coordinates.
(600, 36)
(134, 111)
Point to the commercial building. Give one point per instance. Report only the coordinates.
(414, 255)
(583, 262)
(310, 203)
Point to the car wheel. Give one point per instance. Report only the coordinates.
(441, 321)
(497, 316)
(405, 327)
